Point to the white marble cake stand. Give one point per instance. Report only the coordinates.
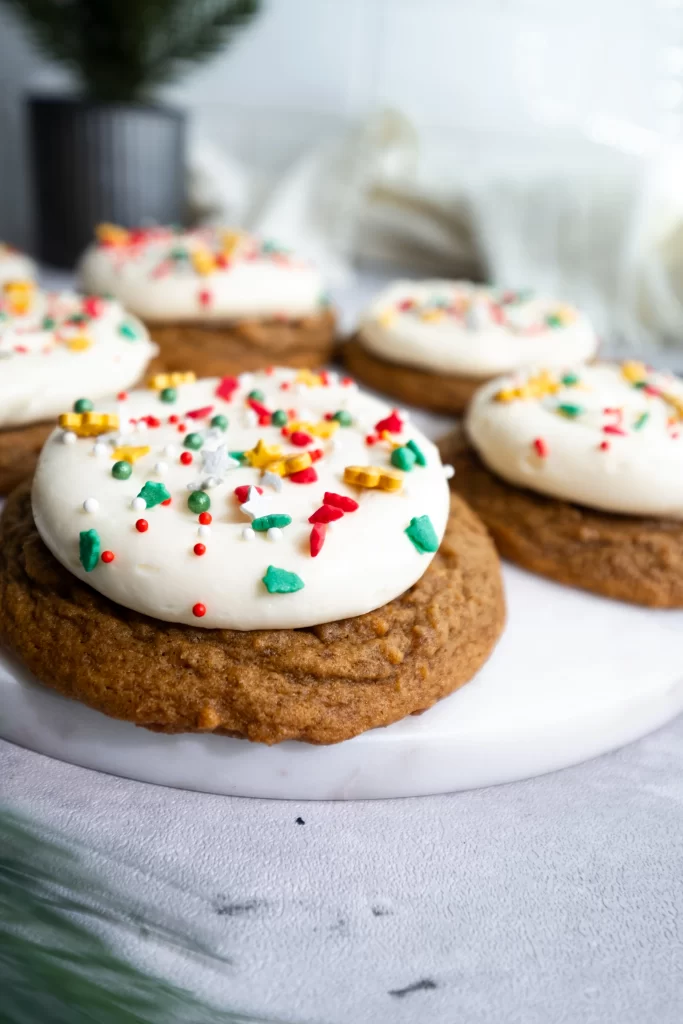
(574, 676)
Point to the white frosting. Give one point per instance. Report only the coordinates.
(255, 280)
(366, 559)
(45, 366)
(14, 265)
(616, 446)
(467, 330)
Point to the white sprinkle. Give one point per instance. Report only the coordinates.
(210, 482)
(248, 533)
(332, 379)
(68, 437)
(100, 449)
(91, 505)
(161, 468)
(448, 471)
(249, 418)
(271, 480)
(203, 531)
(274, 533)
(246, 380)
(336, 443)
(169, 450)
(138, 504)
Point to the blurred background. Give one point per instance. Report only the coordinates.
(535, 142)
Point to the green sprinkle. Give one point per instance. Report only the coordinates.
(178, 254)
(417, 452)
(403, 458)
(199, 501)
(89, 549)
(257, 395)
(343, 418)
(280, 581)
(640, 384)
(570, 410)
(263, 523)
(641, 421)
(552, 320)
(78, 318)
(49, 323)
(168, 394)
(154, 494)
(128, 331)
(241, 457)
(121, 470)
(279, 418)
(220, 422)
(422, 534)
(194, 441)
(83, 405)
(570, 380)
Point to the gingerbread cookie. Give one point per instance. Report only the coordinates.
(287, 544)
(54, 348)
(433, 343)
(578, 477)
(216, 301)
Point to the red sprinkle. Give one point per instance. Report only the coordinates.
(347, 381)
(304, 476)
(316, 453)
(264, 419)
(604, 446)
(205, 297)
(93, 305)
(122, 396)
(269, 371)
(541, 447)
(167, 502)
(107, 556)
(241, 493)
(392, 423)
(317, 538)
(199, 549)
(285, 431)
(173, 418)
(614, 430)
(199, 610)
(142, 526)
(200, 414)
(205, 518)
(325, 514)
(371, 439)
(340, 501)
(406, 304)
(186, 458)
(300, 438)
(226, 387)
(285, 385)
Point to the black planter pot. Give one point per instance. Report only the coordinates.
(102, 162)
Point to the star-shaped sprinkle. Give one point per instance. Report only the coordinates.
(129, 453)
(262, 455)
(256, 504)
(218, 462)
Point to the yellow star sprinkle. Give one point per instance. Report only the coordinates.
(538, 386)
(311, 380)
(373, 477)
(634, 371)
(127, 453)
(78, 344)
(170, 380)
(89, 424)
(262, 455)
(203, 261)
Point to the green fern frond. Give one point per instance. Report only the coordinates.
(123, 49)
(54, 968)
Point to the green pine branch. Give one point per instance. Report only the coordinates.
(121, 50)
(54, 967)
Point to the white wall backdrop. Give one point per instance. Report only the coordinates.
(475, 71)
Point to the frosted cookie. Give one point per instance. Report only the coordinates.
(14, 266)
(271, 556)
(433, 343)
(54, 348)
(216, 301)
(579, 476)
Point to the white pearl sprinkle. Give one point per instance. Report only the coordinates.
(100, 449)
(274, 534)
(210, 482)
(91, 505)
(250, 419)
(169, 450)
(246, 380)
(448, 472)
(68, 437)
(161, 468)
(138, 504)
(203, 531)
(248, 533)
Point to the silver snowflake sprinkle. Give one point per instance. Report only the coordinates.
(218, 462)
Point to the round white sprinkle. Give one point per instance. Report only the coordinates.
(250, 418)
(248, 533)
(246, 380)
(274, 534)
(169, 450)
(100, 449)
(91, 505)
(161, 468)
(210, 482)
(204, 531)
(68, 437)
(448, 471)
(138, 504)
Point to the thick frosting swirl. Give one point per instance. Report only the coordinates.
(55, 346)
(14, 265)
(606, 436)
(468, 330)
(208, 274)
(165, 516)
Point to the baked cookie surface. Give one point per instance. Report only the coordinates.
(320, 684)
(19, 451)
